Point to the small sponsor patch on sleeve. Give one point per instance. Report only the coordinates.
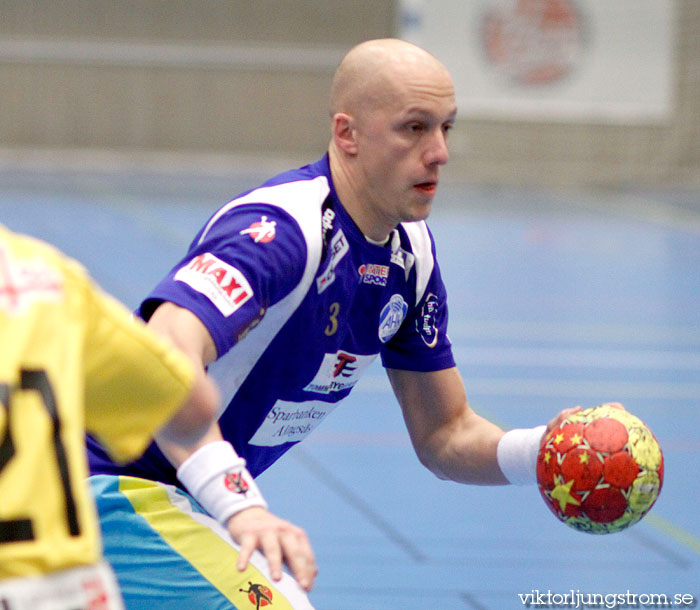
(262, 231)
(426, 324)
(224, 285)
(391, 317)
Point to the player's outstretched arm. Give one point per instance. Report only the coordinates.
(201, 466)
(456, 443)
(450, 439)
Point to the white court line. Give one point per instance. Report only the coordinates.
(558, 387)
(637, 207)
(577, 358)
(577, 389)
(552, 332)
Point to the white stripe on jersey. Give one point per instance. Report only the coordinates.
(296, 198)
(420, 245)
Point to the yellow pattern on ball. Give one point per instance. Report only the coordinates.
(644, 491)
(644, 448)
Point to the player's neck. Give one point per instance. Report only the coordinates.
(376, 230)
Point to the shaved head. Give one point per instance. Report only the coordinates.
(369, 71)
(392, 104)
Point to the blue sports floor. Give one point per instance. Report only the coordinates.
(558, 298)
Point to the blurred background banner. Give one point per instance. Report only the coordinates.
(567, 60)
(551, 92)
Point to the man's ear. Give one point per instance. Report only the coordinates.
(344, 134)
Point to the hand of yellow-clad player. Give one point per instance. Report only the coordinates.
(278, 540)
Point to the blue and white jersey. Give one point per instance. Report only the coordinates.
(298, 304)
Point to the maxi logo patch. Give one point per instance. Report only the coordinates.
(391, 317)
(374, 274)
(338, 249)
(224, 285)
(339, 371)
(426, 323)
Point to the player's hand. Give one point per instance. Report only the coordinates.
(554, 422)
(278, 540)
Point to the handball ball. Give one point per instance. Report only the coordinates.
(600, 470)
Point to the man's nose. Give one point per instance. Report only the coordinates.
(437, 152)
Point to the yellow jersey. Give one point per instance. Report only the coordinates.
(72, 359)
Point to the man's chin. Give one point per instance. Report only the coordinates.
(420, 211)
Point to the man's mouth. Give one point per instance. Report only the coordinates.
(428, 188)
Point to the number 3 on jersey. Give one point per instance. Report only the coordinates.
(22, 529)
(332, 327)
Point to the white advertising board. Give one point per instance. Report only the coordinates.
(552, 60)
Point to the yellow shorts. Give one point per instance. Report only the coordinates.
(168, 553)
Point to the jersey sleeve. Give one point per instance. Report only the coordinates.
(134, 381)
(421, 343)
(246, 261)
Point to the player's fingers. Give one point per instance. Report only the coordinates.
(248, 543)
(300, 557)
(270, 547)
(564, 414)
(556, 420)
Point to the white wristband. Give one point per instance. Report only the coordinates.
(219, 481)
(517, 454)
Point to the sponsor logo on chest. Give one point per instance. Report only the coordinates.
(223, 284)
(374, 274)
(289, 422)
(339, 371)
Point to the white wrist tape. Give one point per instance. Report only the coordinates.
(517, 454)
(219, 481)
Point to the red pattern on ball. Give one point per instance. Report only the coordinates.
(584, 467)
(620, 470)
(572, 435)
(605, 434)
(605, 505)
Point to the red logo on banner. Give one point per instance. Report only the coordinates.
(533, 42)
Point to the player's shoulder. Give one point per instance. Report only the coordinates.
(418, 253)
(34, 261)
(294, 197)
(417, 236)
(47, 286)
